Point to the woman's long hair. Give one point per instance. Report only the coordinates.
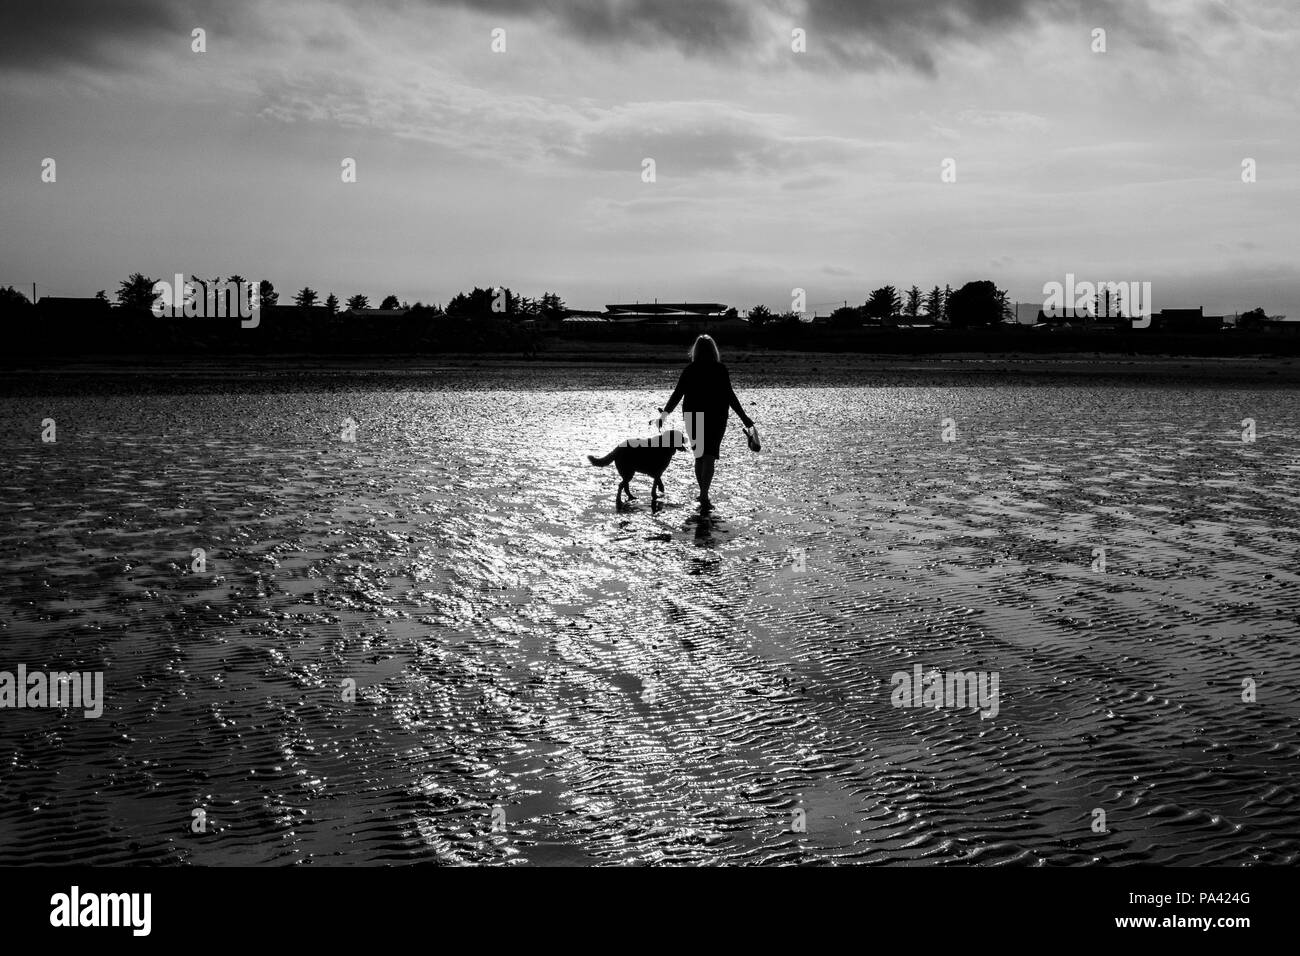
(705, 350)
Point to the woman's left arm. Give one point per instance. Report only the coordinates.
(734, 402)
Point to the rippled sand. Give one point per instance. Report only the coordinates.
(650, 687)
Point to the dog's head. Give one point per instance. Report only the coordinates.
(675, 439)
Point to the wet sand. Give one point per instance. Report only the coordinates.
(646, 686)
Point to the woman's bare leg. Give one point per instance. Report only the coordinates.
(704, 476)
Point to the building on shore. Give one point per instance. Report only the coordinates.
(1185, 320)
(66, 307)
(688, 316)
(673, 314)
(375, 313)
(1272, 324)
(1166, 320)
(1073, 319)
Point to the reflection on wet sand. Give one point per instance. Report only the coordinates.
(652, 685)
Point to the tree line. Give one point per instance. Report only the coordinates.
(975, 304)
(136, 293)
(480, 320)
(490, 320)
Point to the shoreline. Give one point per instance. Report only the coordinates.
(782, 367)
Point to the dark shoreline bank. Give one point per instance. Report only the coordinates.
(591, 369)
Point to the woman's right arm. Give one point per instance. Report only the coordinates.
(734, 402)
(676, 396)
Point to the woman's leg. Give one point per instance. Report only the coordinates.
(704, 475)
(705, 433)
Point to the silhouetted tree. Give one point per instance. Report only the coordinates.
(390, 302)
(553, 306)
(332, 303)
(195, 290)
(210, 288)
(912, 305)
(883, 303)
(237, 283)
(977, 303)
(934, 304)
(1006, 311)
(267, 294)
(102, 296)
(478, 304)
(11, 300)
(848, 316)
(1254, 319)
(305, 298)
(359, 302)
(136, 292)
(759, 315)
(1097, 308)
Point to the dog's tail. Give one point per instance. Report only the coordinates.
(601, 462)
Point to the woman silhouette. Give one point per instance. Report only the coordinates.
(705, 392)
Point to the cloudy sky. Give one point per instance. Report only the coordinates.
(775, 169)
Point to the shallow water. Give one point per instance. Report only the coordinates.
(647, 686)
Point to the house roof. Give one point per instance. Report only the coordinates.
(64, 302)
(282, 308)
(667, 308)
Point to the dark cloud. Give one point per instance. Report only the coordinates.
(910, 34)
(851, 34)
(105, 34)
(913, 33)
(854, 34)
(695, 26)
